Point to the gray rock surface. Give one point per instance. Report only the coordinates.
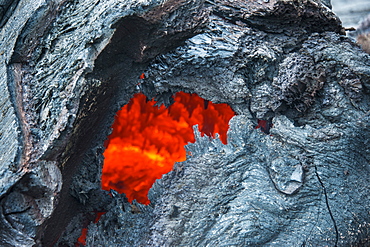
(68, 66)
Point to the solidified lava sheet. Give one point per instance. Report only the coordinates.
(286, 67)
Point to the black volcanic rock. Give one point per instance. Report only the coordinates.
(68, 66)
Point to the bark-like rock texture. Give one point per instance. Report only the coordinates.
(67, 66)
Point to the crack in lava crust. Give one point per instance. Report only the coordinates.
(147, 140)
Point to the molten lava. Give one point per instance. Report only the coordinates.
(147, 140)
(81, 241)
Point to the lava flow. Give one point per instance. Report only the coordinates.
(147, 140)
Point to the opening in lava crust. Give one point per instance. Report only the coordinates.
(147, 140)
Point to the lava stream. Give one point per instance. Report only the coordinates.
(147, 140)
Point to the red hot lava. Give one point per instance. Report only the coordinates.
(147, 140)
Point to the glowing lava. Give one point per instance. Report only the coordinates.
(147, 140)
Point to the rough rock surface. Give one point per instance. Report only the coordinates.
(68, 66)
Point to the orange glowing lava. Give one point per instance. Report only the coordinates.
(147, 140)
